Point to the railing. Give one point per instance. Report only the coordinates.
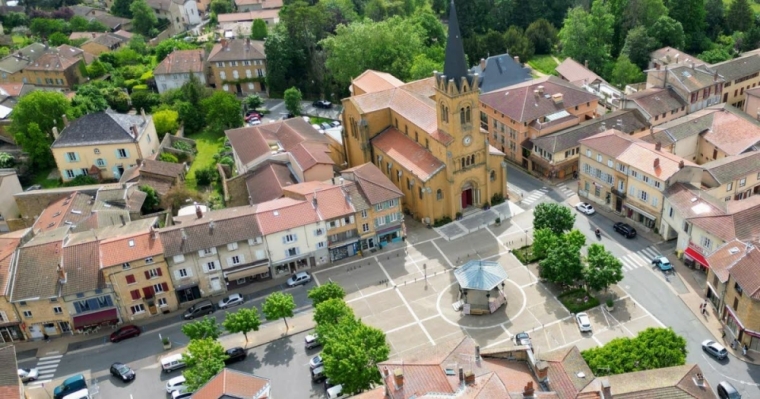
(618, 193)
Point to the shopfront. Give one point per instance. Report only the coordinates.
(694, 259)
(389, 235)
(11, 332)
(247, 274)
(637, 215)
(343, 250)
(188, 293)
(108, 316)
(292, 266)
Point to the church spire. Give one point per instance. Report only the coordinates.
(455, 65)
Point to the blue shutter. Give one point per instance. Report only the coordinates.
(118, 156)
(295, 237)
(284, 241)
(127, 152)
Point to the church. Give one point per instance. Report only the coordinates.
(426, 136)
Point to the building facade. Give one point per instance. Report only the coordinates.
(741, 74)
(175, 70)
(238, 66)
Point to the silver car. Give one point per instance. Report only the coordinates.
(584, 323)
(28, 375)
(714, 349)
(230, 301)
(298, 279)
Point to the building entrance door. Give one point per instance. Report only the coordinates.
(466, 198)
(215, 284)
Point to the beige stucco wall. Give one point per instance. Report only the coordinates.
(9, 185)
(250, 77)
(43, 313)
(306, 241)
(733, 92)
(116, 276)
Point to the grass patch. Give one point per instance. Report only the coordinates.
(41, 179)
(544, 63)
(318, 120)
(525, 255)
(578, 300)
(17, 40)
(207, 144)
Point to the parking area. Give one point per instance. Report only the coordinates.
(408, 293)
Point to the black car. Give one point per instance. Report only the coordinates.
(122, 371)
(322, 104)
(235, 355)
(625, 230)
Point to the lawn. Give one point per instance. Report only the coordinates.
(543, 63)
(578, 300)
(40, 178)
(208, 145)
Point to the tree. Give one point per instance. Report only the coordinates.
(206, 176)
(518, 44)
(556, 217)
(138, 45)
(34, 116)
(36, 143)
(14, 19)
(643, 13)
(638, 45)
(6, 160)
(651, 349)
(168, 157)
(691, 14)
(543, 35)
(205, 328)
(293, 100)
(331, 290)
(279, 306)
(434, 32)
(166, 121)
(243, 321)
(221, 6)
(117, 99)
(178, 197)
(423, 67)
(602, 269)
(96, 69)
(58, 38)
(543, 240)
(45, 27)
(259, 29)
(253, 101)
(739, 16)
(143, 18)
(562, 264)
(351, 354)
(151, 199)
(146, 100)
(667, 32)
(328, 313)
(715, 17)
(222, 111)
(88, 99)
(204, 359)
(715, 55)
(573, 238)
(626, 72)
(588, 36)
(165, 47)
(121, 8)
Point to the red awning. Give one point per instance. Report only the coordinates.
(693, 254)
(95, 318)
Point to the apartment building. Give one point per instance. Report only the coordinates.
(733, 178)
(740, 75)
(658, 105)
(238, 66)
(175, 70)
(182, 14)
(10, 321)
(698, 85)
(41, 65)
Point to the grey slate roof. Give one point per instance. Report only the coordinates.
(454, 65)
(21, 58)
(480, 275)
(738, 67)
(101, 128)
(9, 381)
(229, 225)
(681, 128)
(728, 169)
(82, 266)
(36, 275)
(657, 101)
(501, 71)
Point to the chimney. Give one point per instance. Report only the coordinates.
(477, 352)
(542, 371)
(314, 202)
(528, 391)
(138, 161)
(398, 377)
(517, 60)
(535, 93)
(541, 90)
(93, 35)
(656, 163)
(715, 77)
(482, 64)
(183, 233)
(651, 130)
(247, 44)
(198, 211)
(211, 226)
(65, 121)
(469, 377)
(585, 64)
(606, 389)
(658, 146)
(142, 113)
(55, 129)
(133, 128)
(461, 374)
(386, 373)
(692, 66)
(680, 164)
(558, 98)
(123, 221)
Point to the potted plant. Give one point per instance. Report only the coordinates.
(167, 343)
(610, 304)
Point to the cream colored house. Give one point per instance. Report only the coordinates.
(103, 144)
(740, 74)
(9, 186)
(733, 178)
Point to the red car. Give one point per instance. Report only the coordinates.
(124, 333)
(252, 115)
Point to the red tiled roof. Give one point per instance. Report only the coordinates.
(742, 220)
(182, 61)
(409, 101)
(283, 214)
(11, 89)
(373, 81)
(266, 181)
(333, 201)
(71, 208)
(252, 143)
(374, 185)
(234, 384)
(576, 73)
(723, 258)
(7, 247)
(308, 154)
(122, 249)
(409, 154)
(731, 132)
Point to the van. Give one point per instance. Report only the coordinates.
(335, 392)
(318, 374)
(81, 394)
(69, 386)
(171, 363)
(199, 309)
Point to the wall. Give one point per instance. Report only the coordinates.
(306, 242)
(42, 312)
(751, 181)
(88, 157)
(9, 185)
(318, 172)
(733, 92)
(708, 152)
(148, 140)
(697, 236)
(256, 70)
(165, 82)
(752, 105)
(116, 276)
(687, 148)
(676, 223)
(748, 310)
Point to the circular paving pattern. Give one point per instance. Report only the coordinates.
(516, 301)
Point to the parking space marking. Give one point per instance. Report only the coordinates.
(400, 295)
(446, 258)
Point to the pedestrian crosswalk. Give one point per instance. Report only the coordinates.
(640, 258)
(534, 196)
(46, 366)
(565, 190)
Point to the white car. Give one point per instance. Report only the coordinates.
(298, 279)
(28, 375)
(175, 384)
(335, 123)
(254, 122)
(584, 323)
(230, 301)
(585, 208)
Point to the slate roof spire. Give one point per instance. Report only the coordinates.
(455, 65)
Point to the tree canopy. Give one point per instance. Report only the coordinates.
(563, 264)
(204, 359)
(243, 321)
(166, 121)
(206, 327)
(259, 29)
(34, 116)
(143, 18)
(587, 36)
(293, 100)
(602, 269)
(652, 348)
(223, 111)
(279, 306)
(330, 290)
(151, 202)
(555, 217)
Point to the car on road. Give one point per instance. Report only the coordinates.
(311, 341)
(230, 301)
(70, 385)
(122, 371)
(125, 332)
(235, 354)
(299, 279)
(201, 308)
(318, 374)
(183, 393)
(315, 362)
(585, 208)
(626, 230)
(253, 114)
(522, 339)
(28, 375)
(584, 323)
(727, 391)
(325, 125)
(254, 122)
(322, 104)
(714, 349)
(335, 123)
(175, 384)
(317, 127)
(662, 263)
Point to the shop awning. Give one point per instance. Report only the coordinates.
(693, 254)
(240, 274)
(389, 229)
(639, 211)
(733, 316)
(96, 318)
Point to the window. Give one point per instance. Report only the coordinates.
(232, 246)
(131, 279)
(22, 303)
(292, 252)
(161, 287)
(57, 310)
(210, 266)
(599, 157)
(207, 251)
(149, 260)
(137, 309)
(28, 314)
(420, 190)
(706, 242)
(365, 227)
(97, 151)
(439, 194)
(670, 213)
(178, 258)
(254, 241)
(122, 153)
(223, 75)
(72, 156)
(643, 195)
(588, 153)
(493, 175)
(743, 182)
(321, 244)
(737, 287)
(70, 174)
(319, 232)
(53, 300)
(182, 273)
(235, 260)
(288, 238)
(609, 163)
(100, 162)
(654, 201)
(125, 266)
(729, 186)
(162, 302)
(152, 273)
(135, 294)
(364, 214)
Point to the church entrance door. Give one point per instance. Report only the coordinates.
(466, 198)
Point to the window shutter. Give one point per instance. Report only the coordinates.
(147, 274)
(179, 258)
(284, 241)
(130, 279)
(229, 261)
(148, 291)
(298, 251)
(260, 254)
(189, 272)
(165, 287)
(242, 258)
(135, 294)
(287, 254)
(160, 273)
(200, 253)
(117, 154)
(177, 276)
(127, 152)
(295, 237)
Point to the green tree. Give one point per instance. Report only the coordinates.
(715, 55)
(45, 26)
(434, 32)
(739, 16)
(178, 196)
(667, 32)
(653, 348)
(253, 101)
(691, 14)
(205, 328)
(643, 13)
(259, 29)
(204, 359)
(279, 306)
(222, 111)
(562, 264)
(588, 36)
(168, 157)
(351, 354)
(518, 44)
(555, 217)
(191, 118)
(293, 100)
(330, 290)
(151, 202)
(221, 6)
(79, 24)
(165, 47)
(146, 100)
(243, 321)
(34, 116)
(543, 35)
(58, 38)
(6, 160)
(206, 176)
(138, 45)
(573, 238)
(117, 99)
(423, 67)
(14, 19)
(602, 268)
(493, 42)
(143, 18)
(638, 45)
(715, 18)
(166, 121)
(88, 99)
(121, 8)
(96, 69)
(626, 72)
(543, 240)
(36, 143)
(328, 313)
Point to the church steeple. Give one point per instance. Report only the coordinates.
(455, 64)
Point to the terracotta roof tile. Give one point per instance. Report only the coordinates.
(53, 60)
(742, 220)
(333, 201)
(732, 131)
(248, 16)
(309, 154)
(408, 153)
(36, 270)
(657, 101)
(229, 225)
(373, 81)
(684, 127)
(81, 263)
(565, 368)
(283, 214)
(128, 248)
(728, 169)
(257, 142)
(181, 61)
(746, 271)
(669, 55)
(70, 209)
(234, 384)
(669, 382)
(692, 79)
(374, 185)
(267, 180)
(411, 101)
(723, 258)
(627, 121)
(690, 201)
(263, 3)
(576, 73)
(7, 248)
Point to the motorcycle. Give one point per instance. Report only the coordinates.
(598, 233)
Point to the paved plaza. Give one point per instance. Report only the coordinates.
(408, 292)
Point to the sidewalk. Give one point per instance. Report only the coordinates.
(478, 219)
(615, 217)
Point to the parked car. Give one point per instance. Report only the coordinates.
(253, 114)
(254, 122)
(522, 339)
(322, 104)
(199, 309)
(625, 229)
(122, 371)
(235, 354)
(175, 384)
(714, 349)
(125, 332)
(28, 375)
(727, 391)
(183, 393)
(325, 125)
(318, 374)
(298, 279)
(328, 384)
(317, 127)
(311, 341)
(585, 208)
(315, 362)
(70, 385)
(230, 301)
(33, 187)
(335, 123)
(663, 263)
(584, 323)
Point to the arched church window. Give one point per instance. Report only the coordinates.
(493, 175)
(439, 195)
(463, 161)
(461, 116)
(468, 115)
(472, 161)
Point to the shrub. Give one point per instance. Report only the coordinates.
(578, 300)
(81, 180)
(139, 88)
(182, 146)
(442, 221)
(497, 198)
(168, 157)
(206, 176)
(227, 160)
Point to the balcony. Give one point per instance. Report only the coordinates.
(342, 237)
(618, 193)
